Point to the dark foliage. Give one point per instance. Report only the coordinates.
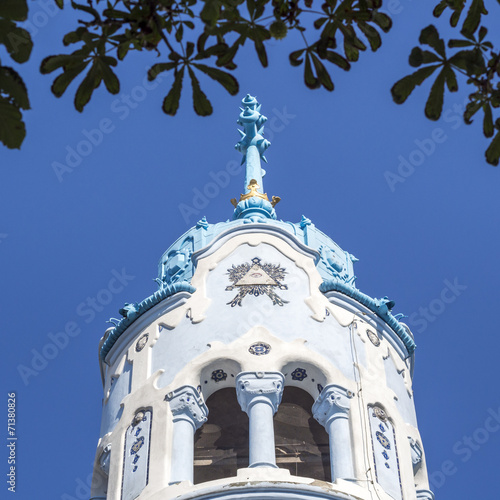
(193, 38)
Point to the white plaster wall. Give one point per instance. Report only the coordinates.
(111, 410)
(223, 323)
(396, 381)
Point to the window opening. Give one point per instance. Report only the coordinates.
(302, 443)
(221, 444)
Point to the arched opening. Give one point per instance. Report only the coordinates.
(221, 444)
(302, 444)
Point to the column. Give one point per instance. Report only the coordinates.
(259, 394)
(189, 413)
(331, 410)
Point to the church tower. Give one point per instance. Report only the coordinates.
(258, 370)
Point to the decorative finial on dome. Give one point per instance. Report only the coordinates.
(253, 146)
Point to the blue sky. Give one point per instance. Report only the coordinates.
(430, 243)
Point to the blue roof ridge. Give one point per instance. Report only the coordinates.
(378, 306)
(132, 312)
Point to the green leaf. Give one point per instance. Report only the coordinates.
(15, 10)
(60, 3)
(88, 9)
(337, 59)
(493, 152)
(383, 21)
(473, 17)
(371, 34)
(439, 8)
(430, 36)
(12, 128)
(261, 52)
(109, 60)
(434, 104)
(329, 31)
(471, 61)
(158, 68)
(228, 81)
(309, 79)
(296, 57)
(260, 7)
(483, 31)
(189, 49)
(171, 101)
(455, 17)
(226, 58)
(210, 12)
(351, 52)
(179, 33)
(117, 14)
(487, 120)
(62, 82)
(218, 49)
(460, 43)
(451, 78)
(470, 110)
(404, 87)
(12, 85)
(17, 40)
(201, 104)
(251, 8)
(319, 22)
(495, 98)
(110, 79)
(322, 73)
(74, 36)
(91, 81)
(51, 63)
(123, 49)
(419, 57)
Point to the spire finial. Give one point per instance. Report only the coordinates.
(252, 146)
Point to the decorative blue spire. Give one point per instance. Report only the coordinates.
(252, 144)
(254, 202)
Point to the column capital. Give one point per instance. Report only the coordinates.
(259, 387)
(333, 402)
(416, 454)
(186, 404)
(425, 495)
(104, 459)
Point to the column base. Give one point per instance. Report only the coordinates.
(262, 464)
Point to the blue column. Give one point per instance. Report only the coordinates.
(331, 410)
(259, 394)
(189, 413)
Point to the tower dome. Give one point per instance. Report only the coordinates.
(258, 369)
